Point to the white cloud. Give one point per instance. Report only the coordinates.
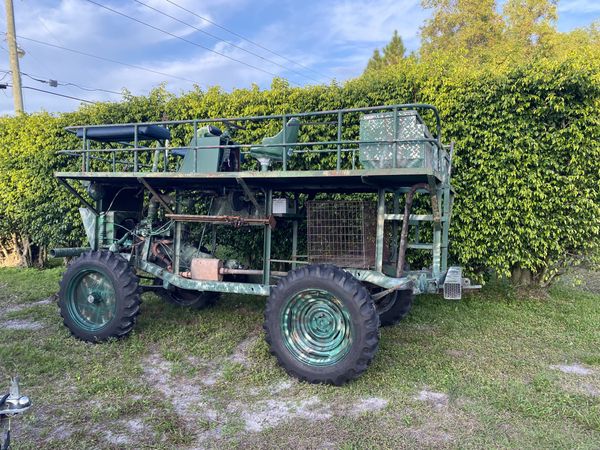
(206, 68)
(365, 21)
(579, 6)
(335, 38)
(75, 22)
(80, 25)
(347, 31)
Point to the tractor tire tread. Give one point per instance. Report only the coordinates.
(356, 293)
(126, 288)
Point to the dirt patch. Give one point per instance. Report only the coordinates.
(438, 424)
(46, 301)
(575, 369)
(580, 380)
(187, 397)
(456, 353)
(436, 399)
(240, 354)
(210, 371)
(135, 425)
(116, 438)
(196, 400)
(211, 377)
(182, 394)
(369, 404)
(430, 436)
(282, 386)
(534, 293)
(582, 278)
(10, 308)
(590, 389)
(61, 432)
(270, 413)
(21, 324)
(125, 432)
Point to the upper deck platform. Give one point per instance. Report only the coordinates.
(347, 150)
(289, 181)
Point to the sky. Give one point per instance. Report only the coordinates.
(306, 42)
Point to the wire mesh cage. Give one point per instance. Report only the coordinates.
(342, 232)
(379, 127)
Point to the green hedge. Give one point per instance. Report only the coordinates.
(527, 163)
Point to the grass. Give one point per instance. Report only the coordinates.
(184, 379)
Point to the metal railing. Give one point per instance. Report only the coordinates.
(133, 157)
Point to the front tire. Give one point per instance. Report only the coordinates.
(321, 325)
(99, 296)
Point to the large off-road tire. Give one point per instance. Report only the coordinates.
(99, 296)
(187, 298)
(394, 307)
(321, 325)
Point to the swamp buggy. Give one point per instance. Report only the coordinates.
(169, 202)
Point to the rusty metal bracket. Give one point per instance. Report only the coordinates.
(224, 220)
(437, 217)
(248, 192)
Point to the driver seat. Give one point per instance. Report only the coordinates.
(270, 151)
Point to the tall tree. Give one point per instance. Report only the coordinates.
(467, 26)
(530, 22)
(376, 61)
(393, 53)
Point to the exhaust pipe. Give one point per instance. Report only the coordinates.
(67, 252)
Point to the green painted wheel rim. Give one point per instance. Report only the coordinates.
(91, 299)
(316, 327)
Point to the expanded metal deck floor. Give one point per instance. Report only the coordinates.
(305, 181)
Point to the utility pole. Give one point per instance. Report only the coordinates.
(11, 40)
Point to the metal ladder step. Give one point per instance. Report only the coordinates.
(420, 246)
(412, 217)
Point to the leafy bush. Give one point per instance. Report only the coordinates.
(527, 160)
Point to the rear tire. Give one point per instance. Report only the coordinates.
(187, 298)
(394, 307)
(321, 325)
(99, 296)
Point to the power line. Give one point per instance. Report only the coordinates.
(59, 95)
(114, 61)
(59, 83)
(40, 65)
(248, 40)
(90, 89)
(56, 93)
(226, 42)
(183, 39)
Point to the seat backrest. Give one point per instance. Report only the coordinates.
(275, 152)
(291, 134)
(206, 159)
